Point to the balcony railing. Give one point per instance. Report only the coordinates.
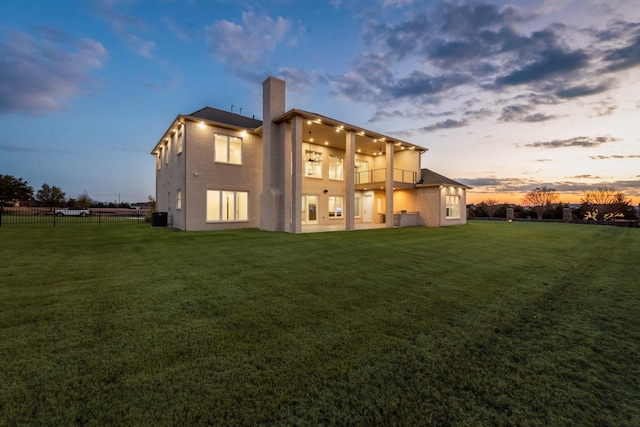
(379, 175)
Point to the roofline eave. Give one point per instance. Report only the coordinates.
(180, 118)
(346, 126)
(444, 184)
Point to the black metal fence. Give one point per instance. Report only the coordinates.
(49, 217)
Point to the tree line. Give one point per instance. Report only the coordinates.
(601, 204)
(18, 191)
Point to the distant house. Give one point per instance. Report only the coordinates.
(295, 171)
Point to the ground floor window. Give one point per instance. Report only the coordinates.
(336, 206)
(227, 205)
(453, 207)
(179, 199)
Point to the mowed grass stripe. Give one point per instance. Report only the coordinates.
(489, 323)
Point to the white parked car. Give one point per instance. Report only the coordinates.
(72, 212)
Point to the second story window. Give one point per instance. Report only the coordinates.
(335, 168)
(313, 164)
(228, 149)
(180, 141)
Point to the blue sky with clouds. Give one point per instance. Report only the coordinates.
(507, 96)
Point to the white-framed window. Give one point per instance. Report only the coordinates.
(313, 164)
(180, 140)
(159, 159)
(453, 206)
(179, 199)
(356, 207)
(336, 168)
(228, 149)
(336, 206)
(227, 205)
(166, 153)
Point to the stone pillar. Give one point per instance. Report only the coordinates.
(350, 179)
(389, 185)
(296, 175)
(510, 214)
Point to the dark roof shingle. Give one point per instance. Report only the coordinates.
(429, 177)
(226, 117)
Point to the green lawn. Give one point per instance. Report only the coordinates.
(491, 323)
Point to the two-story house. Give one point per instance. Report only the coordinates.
(295, 171)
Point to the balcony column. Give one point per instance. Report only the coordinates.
(389, 185)
(350, 180)
(296, 174)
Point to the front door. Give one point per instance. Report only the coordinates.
(367, 208)
(309, 209)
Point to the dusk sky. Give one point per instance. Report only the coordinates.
(507, 96)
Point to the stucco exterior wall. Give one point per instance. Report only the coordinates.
(408, 160)
(428, 205)
(405, 200)
(431, 204)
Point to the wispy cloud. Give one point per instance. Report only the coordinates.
(626, 56)
(585, 177)
(16, 149)
(445, 124)
(246, 46)
(581, 90)
(580, 184)
(38, 74)
(143, 48)
(579, 141)
(615, 156)
(184, 34)
(524, 113)
(126, 25)
(111, 10)
(451, 49)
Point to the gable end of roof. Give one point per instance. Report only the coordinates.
(429, 178)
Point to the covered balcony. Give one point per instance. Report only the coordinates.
(377, 178)
(327, 155)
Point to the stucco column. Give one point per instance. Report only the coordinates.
(350, 179)
(296, 174)
(389, 185)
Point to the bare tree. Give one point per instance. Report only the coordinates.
(84, 201)
(605, 203)
(491, 207)
(540, 199)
